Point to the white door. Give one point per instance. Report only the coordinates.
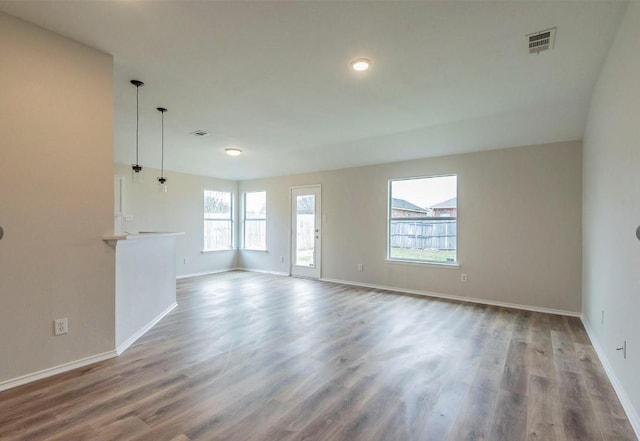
(306, 231)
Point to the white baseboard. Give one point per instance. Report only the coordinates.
(409, 291)
(458, 298)
(55, 370)
(632, 413)
(253, 270)
(142, 331)
(206, 273)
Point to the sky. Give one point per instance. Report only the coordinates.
(427, 191)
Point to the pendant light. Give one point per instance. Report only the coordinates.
(136, 169)
(162, 179)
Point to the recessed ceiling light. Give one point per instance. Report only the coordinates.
(233, 151)
(360, 64)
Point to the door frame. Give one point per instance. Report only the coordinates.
(318, 245)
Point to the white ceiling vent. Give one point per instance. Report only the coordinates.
(200, 133)
(541, 41)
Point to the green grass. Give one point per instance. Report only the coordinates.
(305, 257)
(444, 256)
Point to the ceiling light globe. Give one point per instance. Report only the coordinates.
(233, 151)
(360, 64)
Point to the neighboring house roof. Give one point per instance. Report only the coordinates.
(401, 204)
(449, 203)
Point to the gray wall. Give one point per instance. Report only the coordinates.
(56, 199)
(179, 209)
(611, 211)
(519, 226)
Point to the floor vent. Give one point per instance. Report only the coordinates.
(541, 41)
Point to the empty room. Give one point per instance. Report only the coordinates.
(319, 220)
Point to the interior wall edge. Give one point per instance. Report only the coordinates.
(632, 413)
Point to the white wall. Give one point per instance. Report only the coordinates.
(519, 225)
(179, 209)
(611, 211)
(56, 199)
(145, 284)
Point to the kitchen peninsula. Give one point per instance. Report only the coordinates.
(145, 282)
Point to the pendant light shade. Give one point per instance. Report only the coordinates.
(162, 179)
(136, 169)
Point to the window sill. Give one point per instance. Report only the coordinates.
(452, 265)
(216, 251)
(254, 250)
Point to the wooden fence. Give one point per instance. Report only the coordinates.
(424, 234)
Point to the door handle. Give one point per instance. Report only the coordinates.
(1, 232)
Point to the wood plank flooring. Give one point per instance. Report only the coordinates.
(254, 357)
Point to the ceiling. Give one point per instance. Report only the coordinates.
(273, 77)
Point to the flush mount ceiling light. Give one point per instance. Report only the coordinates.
(360, 64)
(233, 151)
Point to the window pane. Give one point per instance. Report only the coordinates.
(430, 239)
(217, 204)
(429, 197)
(255, 205)
(305, 230)
(255, 234)
(217, 235)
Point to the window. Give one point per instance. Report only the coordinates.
(423, 219)
(255, 220)
(218, 221)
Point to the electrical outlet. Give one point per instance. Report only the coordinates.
(602, 318)
(185, 260)
(60, 326)
(360, 267)
(464, 278)
(282, 259)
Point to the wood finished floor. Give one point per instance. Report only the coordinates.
(249, 357)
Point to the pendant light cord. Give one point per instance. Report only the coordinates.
(162, 179)
(137, 168)
(137, 119)
(162, 151)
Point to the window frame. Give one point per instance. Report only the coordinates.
(415, 261)
(245, 219)
(230, 220)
